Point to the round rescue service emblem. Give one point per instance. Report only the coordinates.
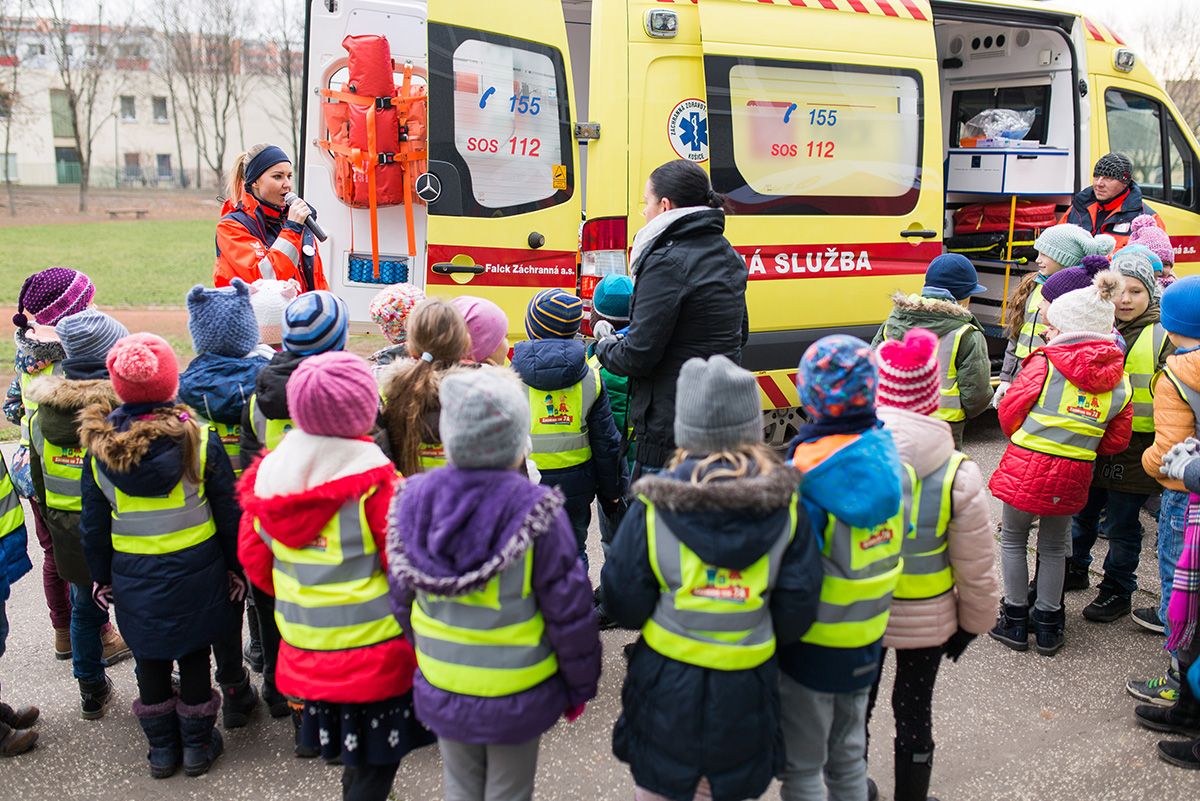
(687, 128)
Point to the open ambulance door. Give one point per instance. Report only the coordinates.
(504, 208)
(823, 130)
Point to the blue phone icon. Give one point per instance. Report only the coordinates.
(491, 90)
(787, 115)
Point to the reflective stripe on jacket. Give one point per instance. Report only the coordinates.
(926, 572)
(62, 469)
(1141, 365)
(1068, 421)
(559, 426)
(950, 399)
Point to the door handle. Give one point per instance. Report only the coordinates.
(919, 233)
(449, 268)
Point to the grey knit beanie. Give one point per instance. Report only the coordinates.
(717, 406)
(90, 334)
(485, 418)
(1067, 244)
(1138, 262)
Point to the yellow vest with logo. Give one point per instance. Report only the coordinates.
(231, 440)
(861, 569)
(31, 406)
(431, 455)
(160, 525)
(1141, 365)
(1033, 328)
(559, 427)
(267, 430)
(12, 516)
(331, 594)
(926, 572)
(950, 399)
(487, 643)
(1067, 421)
(707, 615)
(62, 469)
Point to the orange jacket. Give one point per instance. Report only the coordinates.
(1173, 418)
(245, 255)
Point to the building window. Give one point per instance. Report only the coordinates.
(6, 104)
(9, 163)
(36, 49)
(61, 120)
(128, 108)
(66, 160)
(133, 166)
(129, 50)
(159, 105)
(165, 173)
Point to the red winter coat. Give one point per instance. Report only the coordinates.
(1039, 483)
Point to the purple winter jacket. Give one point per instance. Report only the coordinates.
(450, 531)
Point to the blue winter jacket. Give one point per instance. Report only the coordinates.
(551, 364)
(217, 387)
(14, 561)
(168, 605)
(860, 485)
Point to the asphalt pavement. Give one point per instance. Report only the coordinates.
(1007, 725)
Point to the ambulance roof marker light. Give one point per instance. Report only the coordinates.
(662, 23)
(1124, 60)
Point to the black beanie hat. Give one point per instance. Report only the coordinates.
(1114, 165)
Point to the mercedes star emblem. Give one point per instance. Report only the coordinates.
(429, 187)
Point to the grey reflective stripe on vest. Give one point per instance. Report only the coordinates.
(259, 420)
(574, 440)
(194, 512)
(1027, 335)
(1056, 388)
(351, 568)
(71, 488)
(266, 269)
(288, 249)
(9, 500)
(336, 616)
(1144, 380)
(1190, 396)
(947, 345)
(503, 657)
(689, 622)
(919, 559)
(513, 607)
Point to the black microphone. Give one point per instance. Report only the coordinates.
(309, 222)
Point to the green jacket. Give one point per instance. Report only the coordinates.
(945, 317)
(617, 387)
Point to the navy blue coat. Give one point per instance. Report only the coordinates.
(271, 389)
(552, 364)
(167, 605)
(218, 387)
(680, 722)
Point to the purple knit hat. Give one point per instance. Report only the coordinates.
(1146, 232)
(333, 394)
(53, 294)
(1073, 278)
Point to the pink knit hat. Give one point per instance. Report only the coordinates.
(908, 372)
(390, 309)
(486, 322)
(53, 294)
(1146, 232)
(333, 394)
(143, 369)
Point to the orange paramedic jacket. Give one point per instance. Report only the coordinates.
(242, 254)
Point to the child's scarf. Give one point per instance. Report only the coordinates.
(1184, 607)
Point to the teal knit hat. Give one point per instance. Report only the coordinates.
(1067, 244)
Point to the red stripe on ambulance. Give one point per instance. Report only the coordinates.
(513, 267)
(914, 9)
(774, 394)
(775, 262)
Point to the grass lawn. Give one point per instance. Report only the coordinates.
(133, 263)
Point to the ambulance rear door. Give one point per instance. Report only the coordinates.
(823, 129)
(504, 210)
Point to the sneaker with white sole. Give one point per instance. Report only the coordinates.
(1147, 618)
(1160, 691)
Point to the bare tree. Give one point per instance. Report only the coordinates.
(284, 71)
(86, 56)
(1174, 56)
(12, 22)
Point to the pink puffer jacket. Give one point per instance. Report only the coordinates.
(926, 443)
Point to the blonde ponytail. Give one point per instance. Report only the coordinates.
(237, 176)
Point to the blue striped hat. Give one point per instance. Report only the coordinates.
(553, 314)
(315, 322)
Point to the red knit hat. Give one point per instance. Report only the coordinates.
(908, 372)
(143, 369)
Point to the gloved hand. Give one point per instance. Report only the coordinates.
(574, 713)
(102, 595)
(999, 394)
(237, 587)
(603, 329)
(957, 643)
(614, 509)
(1176, 460)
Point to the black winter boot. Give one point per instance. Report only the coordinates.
(253, 652)
(913, 771)
(161, 725)
(202, 743)
(1012, 627)
(277, 702)
(239, 701)
(1048, 630)
(94, 697)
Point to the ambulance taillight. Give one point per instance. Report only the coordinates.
(603, 249)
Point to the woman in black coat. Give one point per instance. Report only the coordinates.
(689, 300)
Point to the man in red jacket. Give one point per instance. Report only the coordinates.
(1111, 203)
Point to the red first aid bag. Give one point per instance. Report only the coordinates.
(982, 217)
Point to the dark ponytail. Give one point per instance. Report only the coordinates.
(685, 184)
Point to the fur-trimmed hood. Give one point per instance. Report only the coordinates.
(920, 303)
(450, 531)
(138, 446)
(61, 400)
(938, 315)
(730, 522)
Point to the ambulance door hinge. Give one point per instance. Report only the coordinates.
(587, 132)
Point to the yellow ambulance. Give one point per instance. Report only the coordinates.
(834, 127)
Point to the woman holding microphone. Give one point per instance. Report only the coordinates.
(260, 234)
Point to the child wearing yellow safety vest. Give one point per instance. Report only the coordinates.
(16, 736)
(715, 562)
(483, 573)
(48, 296)
(853, 487)
(1071, 403)
(1058, 247)
(217, 384)
(56, 468)
(948, 590)
(943, 307)
(1120, 487)
(312, 536)
(438, 340)
(576, 445)
(159, 522)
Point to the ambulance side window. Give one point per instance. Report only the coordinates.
(499, 116)
(1163, 163)
(811, 138)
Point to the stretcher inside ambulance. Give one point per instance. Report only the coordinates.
(836, 128)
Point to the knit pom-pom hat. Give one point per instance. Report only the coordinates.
(143, 369)
(1145, 232)
(908, 372)
(222, 321)
(1089, 310)
(1073, 278)
(1067, 244)
(390, 309)
(53, 294)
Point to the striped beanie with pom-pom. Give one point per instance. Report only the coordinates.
(908, 372)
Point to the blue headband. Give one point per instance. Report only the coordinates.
(263, 162)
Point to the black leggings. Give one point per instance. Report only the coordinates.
(264, 607)
(154, 679)
(912, 697)
(368, 782)
(227, 652)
